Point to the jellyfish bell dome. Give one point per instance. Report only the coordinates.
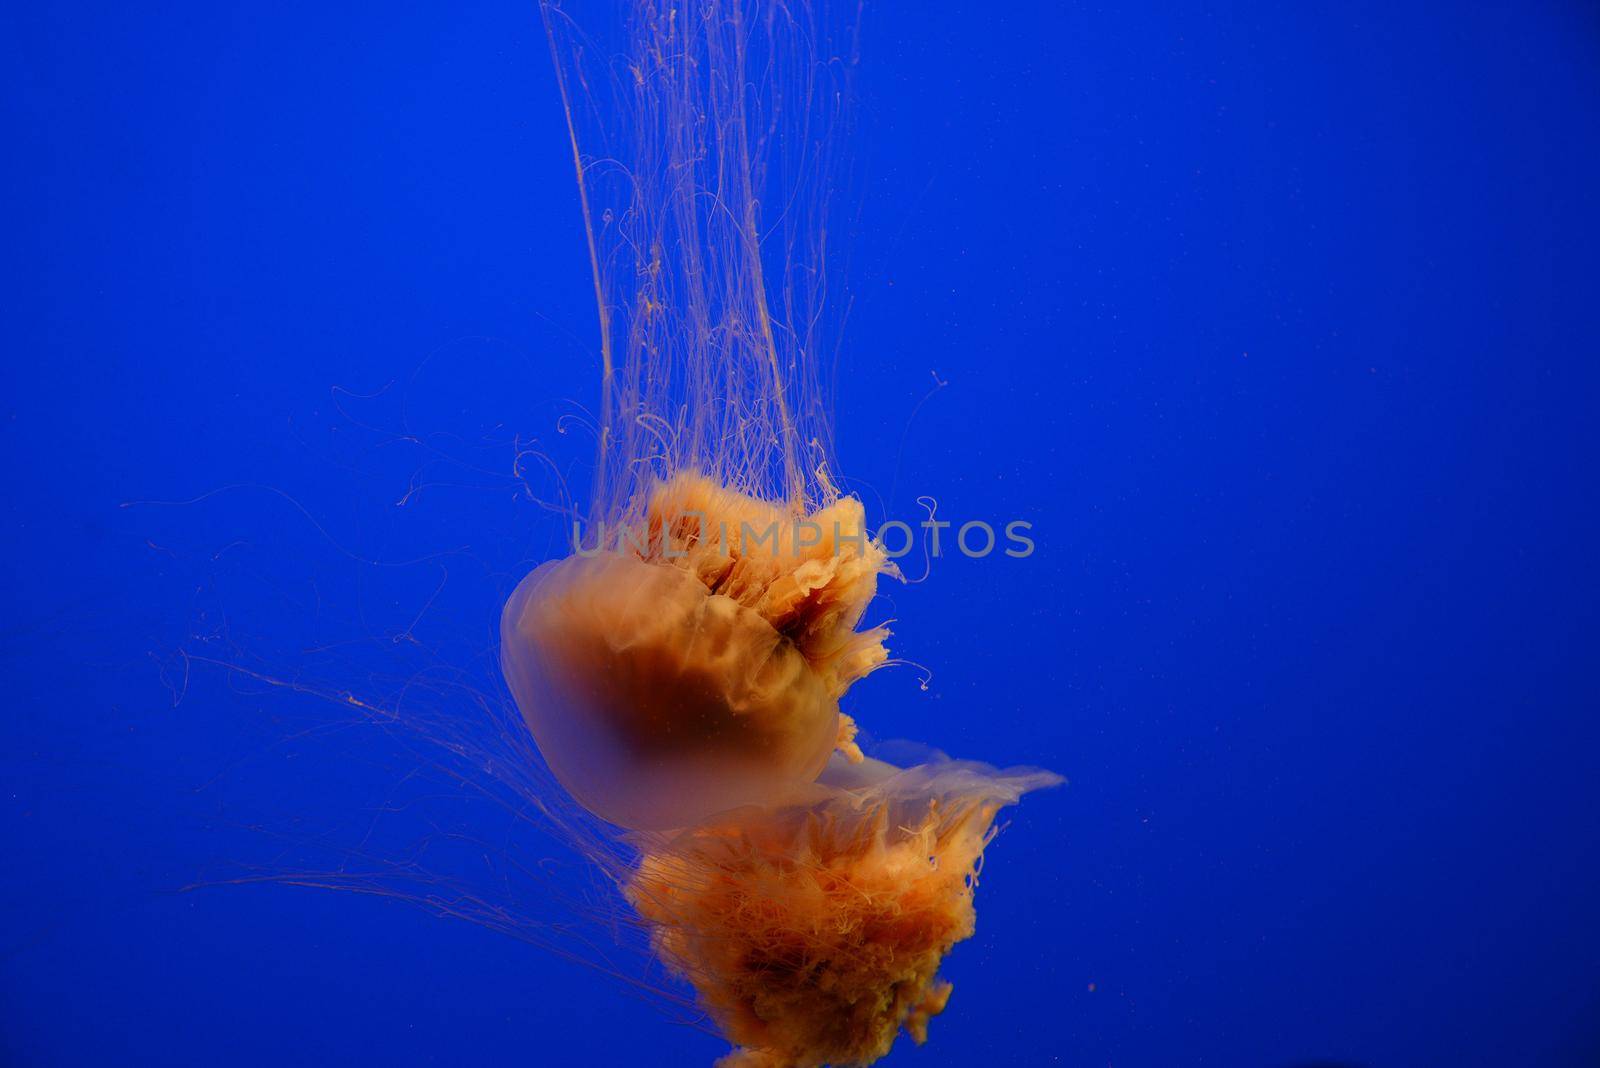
(697, 669)
(654, 701)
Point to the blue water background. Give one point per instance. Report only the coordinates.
(1278, 322)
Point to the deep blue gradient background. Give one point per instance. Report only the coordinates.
(1280, 325)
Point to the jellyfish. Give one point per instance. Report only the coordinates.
(682, 677)
(702, 671)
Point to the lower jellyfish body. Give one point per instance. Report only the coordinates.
(813, 931)
(685, 687)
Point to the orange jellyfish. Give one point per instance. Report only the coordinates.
(681, 676)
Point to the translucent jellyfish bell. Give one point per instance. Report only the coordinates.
(654, 701)
(704, 672)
